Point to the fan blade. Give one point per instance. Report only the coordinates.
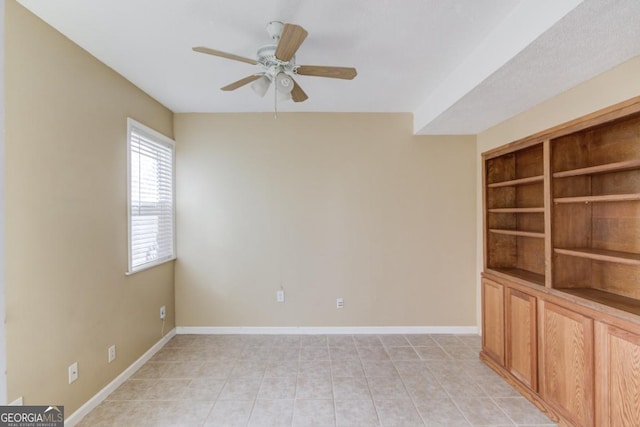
(290, 40)
(214, 52)
(241, 82)
(346, 73)
(297, 94)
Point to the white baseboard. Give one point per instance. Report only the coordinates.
(92, 403)
(317, 330)
(17, 402)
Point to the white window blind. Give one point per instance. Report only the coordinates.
(151, 197)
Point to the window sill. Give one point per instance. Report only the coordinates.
(149, 266)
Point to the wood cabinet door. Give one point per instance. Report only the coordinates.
(522, 352)
(493, 320)
(617, 376)
(566, 362)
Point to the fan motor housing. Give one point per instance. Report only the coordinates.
(274, 28)
(267, 58)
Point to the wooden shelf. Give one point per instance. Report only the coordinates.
(599, 199)
(520, 181)
(629, 305)
(517, 210)
(518, 233)
(519, 273)
(601, 255)
(592, 170)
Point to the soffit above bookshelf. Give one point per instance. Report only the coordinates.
(626, 108)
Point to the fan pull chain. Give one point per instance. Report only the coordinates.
(275, 103)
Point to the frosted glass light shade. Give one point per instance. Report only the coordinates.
(284, 82)
(261, 85)
(283, 96)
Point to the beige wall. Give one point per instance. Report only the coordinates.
(67, 296)
(326, 205)
(611, 87)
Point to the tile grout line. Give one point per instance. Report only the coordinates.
(255, 399)
(333, 394)
(295, 393)
(447, 391)
(403, 383)
(503, 411)
(366, 379)
(405, 386)
(213, 404)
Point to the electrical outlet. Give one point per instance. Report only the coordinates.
(163, 312)
(340, 303)
(280, 296)
(73, 372)
(112, 353)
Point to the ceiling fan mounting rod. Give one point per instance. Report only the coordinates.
(274, 28)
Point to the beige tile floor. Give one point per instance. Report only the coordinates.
(316, 380)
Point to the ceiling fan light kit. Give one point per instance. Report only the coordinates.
(261, 85)
(284, 82)
(282, 96)
(277, 62)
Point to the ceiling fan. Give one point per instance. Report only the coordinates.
(277, 62)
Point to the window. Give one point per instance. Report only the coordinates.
(150, 183)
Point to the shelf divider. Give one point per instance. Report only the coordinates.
(516, 210)
(609, 299)
(518, 233)
(548, 206)
(529, 276)
(520, 181)
(601, 255)
(599, 199)
(610, 167)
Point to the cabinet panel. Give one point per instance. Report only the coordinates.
(493, 320)
(566, 362)
(617, 376)
(521, 337)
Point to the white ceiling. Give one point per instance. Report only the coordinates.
(460, 66)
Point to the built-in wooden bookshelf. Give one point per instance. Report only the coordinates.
(561, 280)
(596, 212)
(585, 233)
(514, 198)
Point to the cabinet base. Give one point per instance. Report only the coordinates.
(525, 391)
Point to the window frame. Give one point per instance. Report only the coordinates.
(160, 139)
